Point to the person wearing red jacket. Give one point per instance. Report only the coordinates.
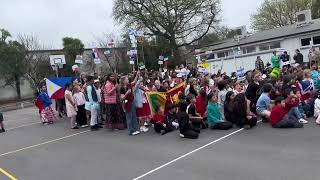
(160, 123)
(201, 103)
(286, 114)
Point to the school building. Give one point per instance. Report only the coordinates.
(242, 51)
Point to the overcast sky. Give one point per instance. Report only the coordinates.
(50, 20)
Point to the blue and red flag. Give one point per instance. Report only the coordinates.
(56, 87)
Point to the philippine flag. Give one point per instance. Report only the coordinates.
(56, 87)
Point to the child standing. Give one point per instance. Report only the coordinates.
(2, 130)
(71, 106)
(214, 114)
(222, 86)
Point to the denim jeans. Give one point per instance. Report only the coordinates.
(132, 120)
(296, 112)
(290, 120)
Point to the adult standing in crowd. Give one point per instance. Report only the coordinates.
(259, 64)
(114, 110)
(298, 57)
(275, 60)
(127, 92)
(92, 104)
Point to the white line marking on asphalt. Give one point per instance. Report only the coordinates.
(24, 125)
(189, 153)
(44, 143)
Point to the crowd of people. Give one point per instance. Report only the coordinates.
(284, 99)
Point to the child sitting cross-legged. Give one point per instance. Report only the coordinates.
(286, 114)
(160, 123)
(186, 130)
(214, 115)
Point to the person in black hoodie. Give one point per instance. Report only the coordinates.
(242, 116)
(184, 126)
(253, 89)
(228, 110)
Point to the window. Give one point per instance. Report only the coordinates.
(301, 17)
(210, 56)
(316, 40)
(264, 47)
(275, 45)
(221, 54)
(269, 46)
(305, 42)
(249, 49)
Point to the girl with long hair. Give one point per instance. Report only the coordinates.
(242, 115)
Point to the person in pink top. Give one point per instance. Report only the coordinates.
(114, 111)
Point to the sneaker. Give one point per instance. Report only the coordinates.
(318, 122)
(181, 135)
(45, 123)
(135, 133)
(2, 130)
(303, 121)
(76, 127)
(144, 129)
(84, 126)
(50, 122)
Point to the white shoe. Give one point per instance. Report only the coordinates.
(135, 133)
(84, 126)
(318, 122)
(176, 125)
(145, 129)
(303, 121)
(181, 135)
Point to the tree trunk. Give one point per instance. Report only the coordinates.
(175, 53)
(17, 81)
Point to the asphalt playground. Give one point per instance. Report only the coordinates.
(31, 151)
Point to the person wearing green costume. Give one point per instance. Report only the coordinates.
(275, 60)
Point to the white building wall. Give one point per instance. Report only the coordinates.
(9, 93)
(248, 61)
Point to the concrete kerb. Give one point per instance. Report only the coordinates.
(15, 106)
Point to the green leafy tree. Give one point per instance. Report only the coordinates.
(4, 35)
(12, 64)
(71, 47)
(315, 9)
(278, 13)
(180, 22)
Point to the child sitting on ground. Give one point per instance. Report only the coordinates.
(264, 102)
(171, 119)
(214, 114)
(159, 121)
(195, 117)
(1, 124)
(286, 114)
(186, 131)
